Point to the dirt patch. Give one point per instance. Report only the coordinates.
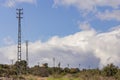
(42, 78)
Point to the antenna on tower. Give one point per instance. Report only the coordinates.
(19, 13)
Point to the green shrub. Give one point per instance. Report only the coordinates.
(110, 70)
(74, 70)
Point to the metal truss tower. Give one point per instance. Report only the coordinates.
(19, 13)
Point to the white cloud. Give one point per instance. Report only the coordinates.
(7, 53)
(87, 48)
(12, 3)
(80, 4)
(88, 5)
(109, 15)
(106, 47)
(84, 26)
(8, 41)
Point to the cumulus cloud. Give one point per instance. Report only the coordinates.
(106, 47)
(87, 47)
(109, 15)
(12, 3)
(7, 54)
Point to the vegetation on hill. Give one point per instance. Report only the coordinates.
(22, 71)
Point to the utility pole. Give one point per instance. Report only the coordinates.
(79, 66)
(19, 13)
(27, 52)
(54, 62)
(11, 61)
(38, 64)
(68, 65)
(53, 66)
(59, 64)
(27, 57)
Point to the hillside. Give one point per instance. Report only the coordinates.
(20, 71)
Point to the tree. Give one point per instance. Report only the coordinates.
(74, 70)
(67, 70)
(110, 70)
(39, 71)
(21, 66)
(45, 65)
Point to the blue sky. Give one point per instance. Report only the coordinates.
(43, 20)
(63, 26)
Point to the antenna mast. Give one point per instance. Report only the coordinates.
(27, 51)
(19, 13)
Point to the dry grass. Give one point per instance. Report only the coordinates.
(31, 77)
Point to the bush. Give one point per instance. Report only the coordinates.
(67, 70)
(110, 70)
(39, 71)
(74, 70)
(20, 66)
